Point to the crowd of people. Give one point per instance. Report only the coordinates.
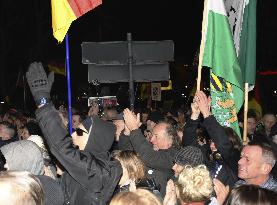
(125, 157)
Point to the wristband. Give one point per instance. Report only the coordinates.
(42, 101)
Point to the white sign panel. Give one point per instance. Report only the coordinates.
(156, 91)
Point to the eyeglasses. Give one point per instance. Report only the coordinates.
(80, 132)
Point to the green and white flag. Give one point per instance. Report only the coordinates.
(223, 47)
(242, 19)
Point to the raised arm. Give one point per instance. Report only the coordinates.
(190, 135)
(155, 159)
(214, 129)
(78, 164)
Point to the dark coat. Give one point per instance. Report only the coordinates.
(158, 163)
(90, 178)
(227, 173)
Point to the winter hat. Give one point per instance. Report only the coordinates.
(53, 194)
(40, 143)
(189, 155)
(38, 140)
(24, 155)
(156, 116)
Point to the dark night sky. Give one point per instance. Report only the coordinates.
(26, 33)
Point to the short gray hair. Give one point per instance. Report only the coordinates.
(267, 152)
(269, 156)
(8, 128)
(171, 133)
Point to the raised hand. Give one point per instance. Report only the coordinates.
(39, 84)
(170, 196)
(120, 125)
(94, 109)
(203, 103)
(221, 191)
(195, 112)
(132, 121)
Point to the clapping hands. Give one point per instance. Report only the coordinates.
(203, 103)
(132, 121)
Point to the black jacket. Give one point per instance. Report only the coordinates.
(228, 171)
(147, 184)
(88, 179)
(158, 163)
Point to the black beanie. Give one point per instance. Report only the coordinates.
(189, 155)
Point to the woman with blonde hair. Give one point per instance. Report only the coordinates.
(20, 188)
(137, 197)
(194, 185)
(133, 167)
(133, 173)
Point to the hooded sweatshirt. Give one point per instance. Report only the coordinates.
(24, 155)
(90, 177)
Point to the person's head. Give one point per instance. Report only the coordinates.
(80, 136)
(233, 138)
(194, 185)
(163, 136)
(181, 116)
(119, 124)
(269, 119)
(256, 163)
(251, 195)
(40, 143)
(20, 188)
(132, 165)
(23, 155)
(94, 135)
(76, 120)
(251, 122)
(144, 116)
(31, 128)
(188, 155)
(7, 130)
(154, 118)
(109, 113)
(137, 197)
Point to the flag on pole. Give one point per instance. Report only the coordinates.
(57, 67)
(223, 35)
(242, 20)
(64, 12)
(247, 46)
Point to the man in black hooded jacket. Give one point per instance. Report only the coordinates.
(90, 176)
